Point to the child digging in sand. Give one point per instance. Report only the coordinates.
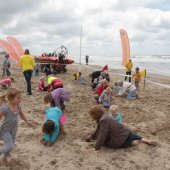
(110, 133)
(51, 125)
(5, 83)
(42, 86)
(56, 99)
(105, 97)
(11, 111)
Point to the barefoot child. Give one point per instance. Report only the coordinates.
(11, 112)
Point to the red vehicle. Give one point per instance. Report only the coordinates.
(56, 61)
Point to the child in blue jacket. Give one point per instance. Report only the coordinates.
(114, 112)
(51, 125)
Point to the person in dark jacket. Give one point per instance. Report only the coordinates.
(112, 134)
(95, 75)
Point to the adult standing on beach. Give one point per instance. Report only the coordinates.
(87, 59)
(129, 66)
(27, 64)
(6, 66)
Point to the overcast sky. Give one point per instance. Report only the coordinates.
(43, 25)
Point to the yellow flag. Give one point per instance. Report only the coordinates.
(143, 73)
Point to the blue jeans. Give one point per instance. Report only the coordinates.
(131, 95)
(28, 75)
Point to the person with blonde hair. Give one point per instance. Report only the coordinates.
(105, 97)
(114, 112)
(102, 86)
(8, 129)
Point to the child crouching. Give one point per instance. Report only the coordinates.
(5, 83)
(51, 125)
(42, 86)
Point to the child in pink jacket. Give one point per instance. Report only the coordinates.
(5, 83)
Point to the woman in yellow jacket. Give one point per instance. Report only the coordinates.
(27, 64)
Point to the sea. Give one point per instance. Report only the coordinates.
(159, 64)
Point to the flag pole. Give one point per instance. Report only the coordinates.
(145, 79)
(80, 47)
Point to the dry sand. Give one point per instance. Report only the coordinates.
(149, 116)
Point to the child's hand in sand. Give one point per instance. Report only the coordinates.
(90, 146)
(88, 139)
(48, 144)
(113, 97)
(45, 143)
(31, 124)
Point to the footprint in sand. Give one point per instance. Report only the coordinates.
(15, 164)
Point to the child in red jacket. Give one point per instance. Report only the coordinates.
(42, 86)
(100, 88)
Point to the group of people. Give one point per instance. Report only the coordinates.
(110, 131)
(136, 76)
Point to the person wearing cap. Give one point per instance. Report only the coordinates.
(129, 66)
(6, 66)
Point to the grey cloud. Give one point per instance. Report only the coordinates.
(9, 9)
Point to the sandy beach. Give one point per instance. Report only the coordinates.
(148, 116)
